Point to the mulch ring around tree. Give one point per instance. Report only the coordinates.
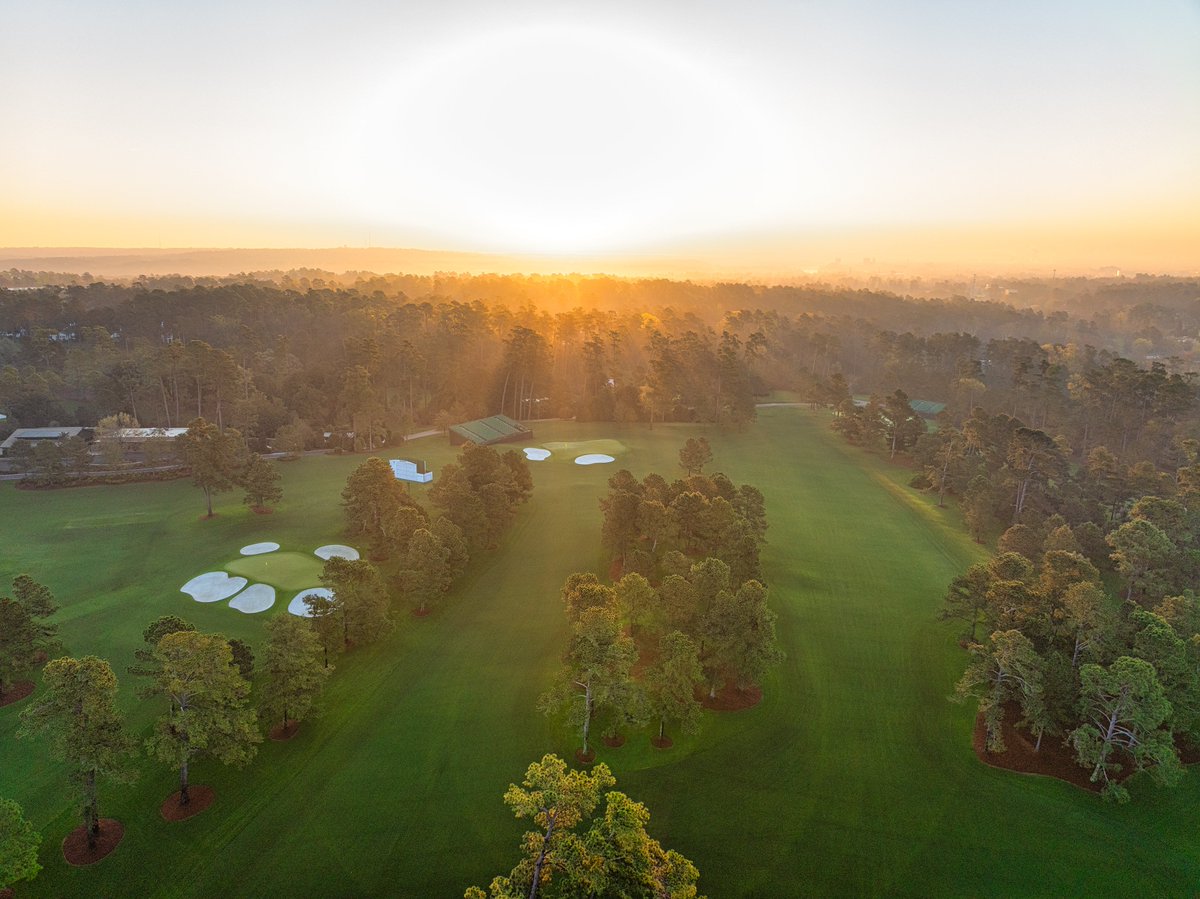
(201, 798)
(279, 733)
(16, 693)
(615, 742)
(263, 510)
(730, 699)
(662, 742)
(587, 758)
(1052, 760)
(75, 847)
(421, 613)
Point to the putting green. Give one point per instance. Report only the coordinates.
(567, 450)
(288, 571)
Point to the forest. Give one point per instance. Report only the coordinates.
(384, 355)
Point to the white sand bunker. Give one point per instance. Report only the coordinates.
(255, 598)
(213, 586)
(297, 606)
(336, 550)
(594, 459)
(257, 549)
(536, 453)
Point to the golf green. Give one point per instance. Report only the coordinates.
(288, 571)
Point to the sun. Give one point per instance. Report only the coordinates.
(556, 139)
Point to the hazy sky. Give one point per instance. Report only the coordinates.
(936, 128)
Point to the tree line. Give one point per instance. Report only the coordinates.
(289, 359)
(1111, 674)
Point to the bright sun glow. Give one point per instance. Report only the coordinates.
(558, 140)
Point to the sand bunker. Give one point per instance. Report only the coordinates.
(297, 606)
(213, 586)
(337, 550)
(257, 549)
(255, 598)
(594, 459)
(536, 453)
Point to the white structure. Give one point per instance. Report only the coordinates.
(417, 472)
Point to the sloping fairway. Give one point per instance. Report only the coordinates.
(854, 776)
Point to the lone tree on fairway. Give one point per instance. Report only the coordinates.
(360, 601)
(1126, 714)
(19, 844)
(614, 858)
(208, 714)
(78, 713)
(670, 684)
(294, 673)
(260, 480)
(696, 453)
(215, 457)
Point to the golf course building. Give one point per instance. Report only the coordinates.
(486, 431)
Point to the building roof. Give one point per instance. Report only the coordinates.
(40, 434)
(493, 429)
(926, 407)
(147, 433)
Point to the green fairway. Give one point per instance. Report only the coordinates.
(854, 776)
(288, 571)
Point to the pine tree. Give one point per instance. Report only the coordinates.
(78, 713)
(208, 714)
(293, 669)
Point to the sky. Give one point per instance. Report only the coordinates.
(765, 134)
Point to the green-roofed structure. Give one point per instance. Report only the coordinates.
(486, 431)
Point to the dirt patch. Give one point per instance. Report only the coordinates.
(1188, 753)
(662, 742)
(615, 742)
(1053, 760)
(730, 699)
(263, 510)
(585, 758)
(201, 798)
(209, 517)
(6, 893)
(75, 847)
(16, 692)
(421, 613)
(279, 733)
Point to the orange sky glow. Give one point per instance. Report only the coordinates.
(780, 139)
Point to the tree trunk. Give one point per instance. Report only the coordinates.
(662, 727)
(91, 816)
(208, 499)
(541, 859)
(166, 409)
(184, 798)
(587, 714)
